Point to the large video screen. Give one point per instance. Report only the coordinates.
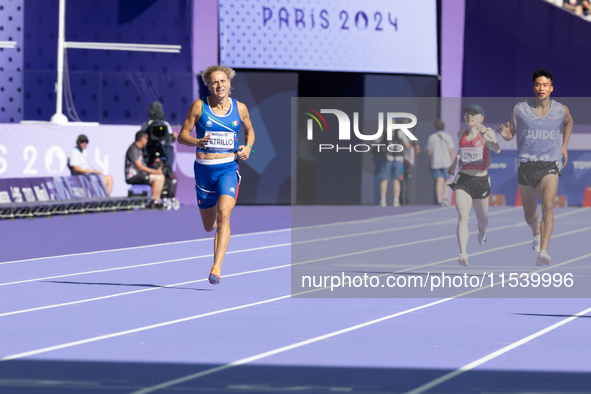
(382, 36)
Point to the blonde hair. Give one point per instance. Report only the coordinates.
(206, 76)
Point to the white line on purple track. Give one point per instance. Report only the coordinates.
(143, 265)
(272, 246)
(353, 328)
(493, 355)
(233, 236)
(253, 358)
(272, 268)
(139, 247)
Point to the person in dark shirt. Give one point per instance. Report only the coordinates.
(136, 171)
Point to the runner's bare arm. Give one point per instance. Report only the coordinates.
(491, 141)
(192, 117)
(566, 132)
(508, 132)
(244, 150)
(452, 168)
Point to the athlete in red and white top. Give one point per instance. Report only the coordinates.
(472, 183)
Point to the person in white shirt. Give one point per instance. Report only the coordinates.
(440, 148)
(78, 163)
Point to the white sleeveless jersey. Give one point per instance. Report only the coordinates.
(539, 138)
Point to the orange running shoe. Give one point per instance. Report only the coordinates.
(214, 276)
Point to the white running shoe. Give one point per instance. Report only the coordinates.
(396, 202)
(543, 259)
(481, 238)
(535, 245)
(463, 260)
(383, 202)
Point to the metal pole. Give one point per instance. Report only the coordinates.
(59, 117)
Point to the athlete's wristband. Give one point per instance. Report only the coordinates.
(252, 150)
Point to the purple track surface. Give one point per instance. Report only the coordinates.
(120, 303)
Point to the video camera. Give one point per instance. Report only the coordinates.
(160, 155)
(158, 139)
(157, 131)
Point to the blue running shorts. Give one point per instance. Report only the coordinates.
(215, 180)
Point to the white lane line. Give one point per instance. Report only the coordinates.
(493, 355)
(236, 363)
(137, 291)
(373, 232)
(437, 239)
(140, 247)
(455, 258)
(343, 331)
(284, 266)
(142, 265)
(402, 215)
(232, 252)
(281, 349)
(233, 236)
(290, 265)
(134, 330)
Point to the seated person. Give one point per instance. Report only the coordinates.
(78, 163)
(137, 173)
(579, 7)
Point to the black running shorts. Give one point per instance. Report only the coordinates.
(531, 173)
(477, 187)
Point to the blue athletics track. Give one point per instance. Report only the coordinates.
(120, 303)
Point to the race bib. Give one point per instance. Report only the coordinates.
(220, 140)
(472, 154)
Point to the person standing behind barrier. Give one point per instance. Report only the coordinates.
(78, 163)
(217, 119)
(542, 154)
(409, 156)
(440, 151)
(137, 173)
(472, 183)
(392, 166)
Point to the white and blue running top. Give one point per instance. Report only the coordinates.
(538, 137)
(223, 129)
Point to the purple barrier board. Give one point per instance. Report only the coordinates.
(75, 186)
(34, 151)
(19, 190)
(4, 193)
(59, 189)
(93, 186)
(39, 188)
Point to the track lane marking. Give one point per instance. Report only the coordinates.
(279, 267)
(493, 355)
(423, 388)
(247, 250)
(211, 238)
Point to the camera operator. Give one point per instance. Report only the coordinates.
(138, 173)
(160, 135)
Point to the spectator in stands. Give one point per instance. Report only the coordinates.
(409, 156)
(156, 114)
(392, 165)
(579, 7)
(78, 163)
(440, 148)
(137, 173)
